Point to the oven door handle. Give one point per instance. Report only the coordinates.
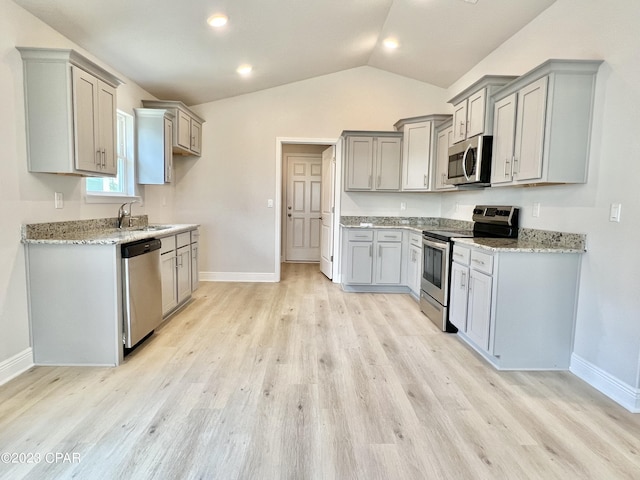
(438, 245)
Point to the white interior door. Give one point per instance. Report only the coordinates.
(327, 207)
(303, 223)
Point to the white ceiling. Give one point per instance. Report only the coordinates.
(167, 47)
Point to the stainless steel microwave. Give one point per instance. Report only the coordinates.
(470, 162)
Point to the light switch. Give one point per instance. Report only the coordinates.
(270, 203)
(58, 200)
(614, 212)
(403, 205)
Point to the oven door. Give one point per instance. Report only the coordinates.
(435, 269)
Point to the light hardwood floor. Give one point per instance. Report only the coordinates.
(299, 380)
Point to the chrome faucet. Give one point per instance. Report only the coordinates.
(124, 213)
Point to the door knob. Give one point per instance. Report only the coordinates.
(289, 215)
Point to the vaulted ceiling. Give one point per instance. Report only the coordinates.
(167, 47)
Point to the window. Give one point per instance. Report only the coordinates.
(115, 189)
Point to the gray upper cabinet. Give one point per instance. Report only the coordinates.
(70, 110)
(154, 145)
(187, 127)
(373, 161)
(473, 107)
(542, 125)
(419, 151)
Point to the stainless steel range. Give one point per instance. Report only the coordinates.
(437, 245)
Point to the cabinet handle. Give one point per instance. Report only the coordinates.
(470, 284)
(515, 161)
(463, 280)
(506, 162)
(104, 158)
(462, 132)
(379, 251)
(479, 262)
(425, 180)
(97, 159)
(370, 250)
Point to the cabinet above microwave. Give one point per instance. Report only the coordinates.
(473, 107)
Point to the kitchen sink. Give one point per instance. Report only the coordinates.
(152, 228)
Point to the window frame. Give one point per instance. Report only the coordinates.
(128, 161)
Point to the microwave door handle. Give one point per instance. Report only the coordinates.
(464, 162)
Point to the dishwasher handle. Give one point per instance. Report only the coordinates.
(141, 247)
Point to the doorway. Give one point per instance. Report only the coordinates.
(294, 145)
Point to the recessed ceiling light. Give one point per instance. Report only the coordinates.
(244, 69)
(218, 20)
(391, 43)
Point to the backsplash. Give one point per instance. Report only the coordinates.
(73, 227)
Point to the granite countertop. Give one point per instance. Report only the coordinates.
(516, 245)
(528, 241)
(98, 232)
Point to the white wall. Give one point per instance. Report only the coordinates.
(608, 321)
(227, 189)
(27, 197)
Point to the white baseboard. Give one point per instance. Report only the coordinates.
(237, 277)
(612, 387)
(14, 366)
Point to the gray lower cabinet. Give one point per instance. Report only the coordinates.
(414, 264)
(517, 309)
(75, 304)
(374, 259)
(179, 272)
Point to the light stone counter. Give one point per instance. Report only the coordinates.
(98, 232)
(529, 240)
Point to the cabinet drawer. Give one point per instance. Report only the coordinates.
(183, 239)
(388, 236)
(195, 236)
(415, 239)
(461, 254)
(482, 262)
(361, 235)
(168, 244)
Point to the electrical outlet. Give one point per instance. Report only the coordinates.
(58, 200)
(536, 210)
(403, 205)
(614, 212)
(270, 203)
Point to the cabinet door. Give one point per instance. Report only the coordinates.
(196, 137)
(460, 121)
(479, 309)
(388, 163)
(360, 262)
(184, 273)
(475, 113)
(168, 150)
(85, 121)
(459, 296)
(359, 163)
(183, 136)
(504, 125)
(107, 128)
(169, 281)
(444, 141)
(195, 280)
(389, 263)
(416, 156)
(529, 141)
(414, 269)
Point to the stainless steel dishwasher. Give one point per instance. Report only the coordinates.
(142, 289)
